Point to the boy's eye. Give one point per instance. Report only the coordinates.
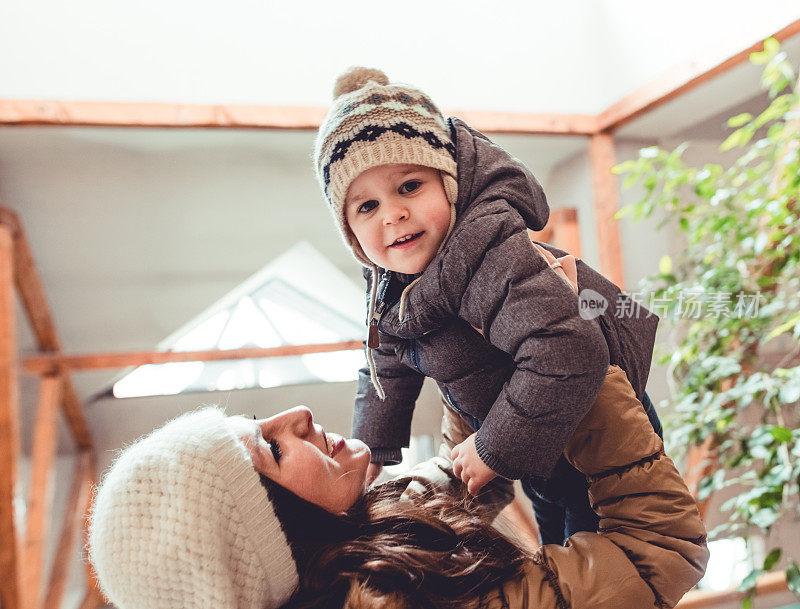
(367, 206)
(410, 186)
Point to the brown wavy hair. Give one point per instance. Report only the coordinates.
(433, 550)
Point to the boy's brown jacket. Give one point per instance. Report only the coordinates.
(651, 544)
(541, 363)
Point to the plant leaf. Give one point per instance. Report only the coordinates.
(781, 434)
(771, 45)
(772, 559)
(793, 577)
(739, 119)
(788, 325)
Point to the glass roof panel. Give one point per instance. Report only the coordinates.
(299, 298)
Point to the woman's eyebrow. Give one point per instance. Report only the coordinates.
(255, 429)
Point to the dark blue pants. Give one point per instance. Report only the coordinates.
(561, 502)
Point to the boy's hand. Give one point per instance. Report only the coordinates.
(373, 471)
(468, 466)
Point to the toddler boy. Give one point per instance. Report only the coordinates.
(439, 217)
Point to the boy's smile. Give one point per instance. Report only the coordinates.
(399, 214)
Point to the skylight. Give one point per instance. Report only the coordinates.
(299, 298)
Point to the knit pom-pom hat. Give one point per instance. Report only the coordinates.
(373, 122)
(182, 520)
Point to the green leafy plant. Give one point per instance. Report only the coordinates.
(740, 268)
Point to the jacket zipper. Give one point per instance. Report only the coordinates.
(373, 339)
(412, 346)
(373, 336)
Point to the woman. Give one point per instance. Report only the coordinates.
(222, 512)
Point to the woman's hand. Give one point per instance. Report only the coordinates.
(468, 466)
(565, 267)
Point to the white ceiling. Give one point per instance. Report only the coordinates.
(708, 103)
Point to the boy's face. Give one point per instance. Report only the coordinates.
(399, 214)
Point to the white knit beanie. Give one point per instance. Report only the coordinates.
(182, 521)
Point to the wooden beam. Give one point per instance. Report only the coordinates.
(125, 114)
(10, 561)
(48, 364)
(29, 285)
(74, 516)
(92, 583)
(567, 234)
(528, 123)
(561, 231)
(34, 301)
(769, 583)
(603, 157)
(685, 77)
(306, 118)
(36, 524)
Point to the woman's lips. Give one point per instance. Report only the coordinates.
(407, 243)
(337, 446)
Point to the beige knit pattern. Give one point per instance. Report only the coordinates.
(357, 135)
(181, 520)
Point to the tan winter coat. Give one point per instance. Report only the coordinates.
(651, 545)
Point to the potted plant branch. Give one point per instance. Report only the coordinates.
(740, 268)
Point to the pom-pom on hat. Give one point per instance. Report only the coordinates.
(182, 520)
(356, 77)
(373, 122)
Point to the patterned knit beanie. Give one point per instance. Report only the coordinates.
(371, 123)
(182, 520)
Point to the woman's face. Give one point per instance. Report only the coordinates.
(292, 450)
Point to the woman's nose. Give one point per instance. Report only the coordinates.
(302, 420)
(298, 420)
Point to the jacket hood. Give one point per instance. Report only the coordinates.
(487, 172)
